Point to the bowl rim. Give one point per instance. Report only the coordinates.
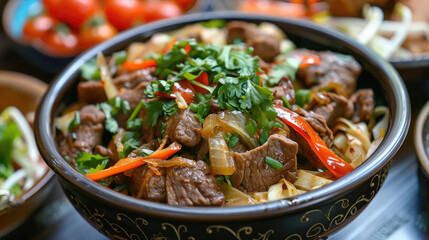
(422, 118)
(395, 135)
(39, 88)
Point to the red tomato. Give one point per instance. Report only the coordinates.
(157, 10)
(122, 13)
(72, 12)
(61, 41)
(38, 27)
(185, 4)
(95, 31)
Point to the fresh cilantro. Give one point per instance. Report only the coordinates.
(110, 124)
(135, 124)
(118, 104)
(90, 71)
(287, 68)
(240, 61)
(155, 109)
(231, 139)
(90, 163)
(130, 142)
(162, 86)
(75, 122)
(201, 108)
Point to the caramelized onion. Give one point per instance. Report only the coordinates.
(221, 159)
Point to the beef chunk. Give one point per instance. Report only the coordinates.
(254, 175)
(88, 133)
(363, 101)
(184, 127)
(331, 106)
(265, 46)
(333, 69)
(193, 186)
(318, 123)
(91, 92)
(284, 89)
(145, 184)
(214, 106)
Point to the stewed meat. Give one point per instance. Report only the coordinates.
(331, 107)
(87, 134)
(184, 127)
(254, 175)
(334, 68)
(284, 89)
(193, 186)
(145, 184)
(363, 101)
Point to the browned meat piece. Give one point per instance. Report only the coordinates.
(193, 186)
(363, 101)
(254, 175)
(266, 46)
(333, 69)
(318, 123)
(240, 147)
(336, 106)
(183, 127)
(88, 133)
(91, 92)
(236, 29)
(284, 89)
(202, 150)
(145, 184)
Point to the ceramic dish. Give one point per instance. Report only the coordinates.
(421, 144)
(24, 92)
(307, 216)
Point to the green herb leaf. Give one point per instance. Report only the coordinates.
(302, 96)
(155, 109)
(119, 57)
(90, 71)
(90, 163)
(231, 139)
(287, 68)
(110, 124)
(162, 86)
(75, 122)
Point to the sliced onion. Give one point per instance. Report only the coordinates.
(63, 122)
(174, 162)
(380, 128)
(136, 50)
(229, 121)
(181, 102)
(221, 159)
(106, 78)
(277, 192)
(359, 131)
(309, 181)
(235, 197)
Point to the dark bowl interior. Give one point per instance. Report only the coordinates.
(89, 197)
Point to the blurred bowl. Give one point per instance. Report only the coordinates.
(421, 144)
(307, 216)
(410, 69)
(23, 92)
(16, 13)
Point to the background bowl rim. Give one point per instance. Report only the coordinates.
(396, 134)
(39, 87)
(422, 119)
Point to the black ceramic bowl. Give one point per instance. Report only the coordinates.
(307, 216)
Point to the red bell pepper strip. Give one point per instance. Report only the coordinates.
(184, 87)
(203, 79)
(126, 164)
(140, 64)
(308, 60)
(187, 48)
(160, 94)
(337, 166)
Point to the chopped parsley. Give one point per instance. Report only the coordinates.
(287, 68)
(161, 86)
(155, 109)
(201, 108)
(130, 142)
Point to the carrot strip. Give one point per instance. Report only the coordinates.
(125, 164)
(170, 45)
